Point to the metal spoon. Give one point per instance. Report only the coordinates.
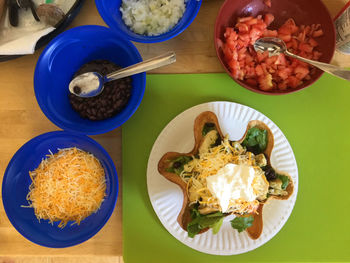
(276, 46)
(91, 84)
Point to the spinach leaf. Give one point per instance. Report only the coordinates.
(199, 222)
(255, 140)
(207, 128)
(284, 179)
(193, 229)
(242, 223)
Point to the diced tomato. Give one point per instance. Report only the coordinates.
(261, 27)
(261, 56)
(318, 33)
(313, 42)
(293, 82)
(295, 44)
(271, 61)
(245, 37)
(301, 72)
(268, 19)
(316, 55)
(241, 56)
(289, 45)
(290, 23)
(242, 27)
(240, 44)
(248, 58)
(270, 33)
(283, 85)
(301, 36)
(230, 43)
(254, 35)
(264, 67)
(284, 73)
(284, 30)
(281, 60)
(307, 30)
(285, 38)
(305, 47)
(228, 53)
(267, 3)
(259, 70)
(229, 31)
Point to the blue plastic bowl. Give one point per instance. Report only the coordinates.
(109, 11)
(16, 182)
(64, 56)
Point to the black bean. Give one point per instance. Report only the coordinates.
(269, 172)
(77, 89)
(176, 164)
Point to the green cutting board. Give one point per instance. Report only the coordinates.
(317, 124)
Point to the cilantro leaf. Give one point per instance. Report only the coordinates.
(284, 179)
(255, 140)
(242, 223)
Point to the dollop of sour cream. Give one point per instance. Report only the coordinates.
(84, 83)
(232, 182)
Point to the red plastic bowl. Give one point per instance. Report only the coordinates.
(304, 12)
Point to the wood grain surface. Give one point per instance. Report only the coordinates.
(21, 120)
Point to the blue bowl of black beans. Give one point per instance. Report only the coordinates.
(86, 49)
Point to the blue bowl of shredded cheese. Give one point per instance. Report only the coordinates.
(148, 21)
(60, 175)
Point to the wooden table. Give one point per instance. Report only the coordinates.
(21, 120)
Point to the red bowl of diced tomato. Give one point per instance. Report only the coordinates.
(306, 27)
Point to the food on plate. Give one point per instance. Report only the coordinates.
(258, 69)
(67, 186)
(152, 17)
(112, 99)
(220, 177)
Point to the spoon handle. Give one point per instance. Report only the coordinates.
(331, 69)
(162, 60)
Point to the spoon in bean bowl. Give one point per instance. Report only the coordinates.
(274, 46)
(91, 84)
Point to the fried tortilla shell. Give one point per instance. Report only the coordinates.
(166, 162)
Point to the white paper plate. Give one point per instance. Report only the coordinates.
(166, 197)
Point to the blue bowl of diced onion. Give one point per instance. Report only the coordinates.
(132, 19)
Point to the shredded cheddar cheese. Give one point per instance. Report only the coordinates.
(67, 186)
(208, 163)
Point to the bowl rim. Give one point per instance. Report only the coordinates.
(46, 136)
(149, 39)
(242, 84)
(90, 30)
